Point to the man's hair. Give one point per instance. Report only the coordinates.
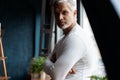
(70, 3)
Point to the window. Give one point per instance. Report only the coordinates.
(116, 5)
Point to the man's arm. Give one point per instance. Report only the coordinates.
(71, 53)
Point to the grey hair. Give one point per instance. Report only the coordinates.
(71, 3)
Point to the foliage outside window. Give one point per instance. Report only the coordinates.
(93, 77)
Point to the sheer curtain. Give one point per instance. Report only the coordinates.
(84, 22)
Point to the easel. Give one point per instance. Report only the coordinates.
(2, 58)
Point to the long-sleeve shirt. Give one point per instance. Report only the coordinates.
(75, 50)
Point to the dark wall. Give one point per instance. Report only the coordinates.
(18, 20)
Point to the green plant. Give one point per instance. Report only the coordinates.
(37, 64)
(94, 77)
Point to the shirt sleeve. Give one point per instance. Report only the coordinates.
(73, 49)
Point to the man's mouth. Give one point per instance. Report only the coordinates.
(62, 23)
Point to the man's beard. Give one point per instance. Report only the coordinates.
(66, 25)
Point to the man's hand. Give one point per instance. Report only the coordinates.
(72, 71)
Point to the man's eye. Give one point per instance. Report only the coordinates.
(65, 12)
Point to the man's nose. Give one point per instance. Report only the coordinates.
(60, 16)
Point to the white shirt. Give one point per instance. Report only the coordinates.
(74, 50)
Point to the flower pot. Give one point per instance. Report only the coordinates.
(42, 75)
(38, 76)
(35, 76)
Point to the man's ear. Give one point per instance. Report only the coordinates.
(75, 12)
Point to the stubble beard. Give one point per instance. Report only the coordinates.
(66, 25)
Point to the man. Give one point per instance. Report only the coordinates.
(72, 58)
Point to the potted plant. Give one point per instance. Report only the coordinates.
(94, 77)
(37, 68)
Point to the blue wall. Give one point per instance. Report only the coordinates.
(18, 20)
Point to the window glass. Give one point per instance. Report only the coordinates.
(116, 5)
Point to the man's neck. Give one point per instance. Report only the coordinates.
(67, 30)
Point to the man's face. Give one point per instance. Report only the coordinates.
(64, 16)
